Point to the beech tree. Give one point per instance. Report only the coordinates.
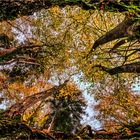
(43, 42)
(129, 28)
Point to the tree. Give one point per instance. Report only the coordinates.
(12, 9)
(67, 107)
(118, 109)
(58, 42)
(131, 7)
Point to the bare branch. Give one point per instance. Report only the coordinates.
(127, 68)
(6, 55)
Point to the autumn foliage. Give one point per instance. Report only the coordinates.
(66, 65)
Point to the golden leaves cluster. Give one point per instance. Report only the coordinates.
(70, 91)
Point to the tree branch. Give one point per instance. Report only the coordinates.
(21, 106)
(9, 54)
(128, 68)
(120, 31)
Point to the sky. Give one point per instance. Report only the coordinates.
(136, 85)
(89, 118)
(83, 86)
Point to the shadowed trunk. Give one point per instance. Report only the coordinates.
(128, 68)
(120, 31)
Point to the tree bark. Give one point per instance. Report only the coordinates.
(128, 68)
(120, 31)
(6, 55)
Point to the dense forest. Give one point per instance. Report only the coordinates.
(69, 69)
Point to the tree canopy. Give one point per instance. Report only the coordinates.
(12, 9)
(54, 52)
